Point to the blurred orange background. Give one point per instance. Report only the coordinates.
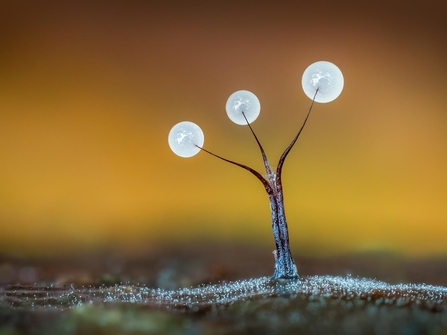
(90, 89)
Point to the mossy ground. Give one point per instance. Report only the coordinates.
(81, 296)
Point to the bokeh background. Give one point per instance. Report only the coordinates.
(90, 89)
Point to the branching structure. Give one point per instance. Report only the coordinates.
(322, 82)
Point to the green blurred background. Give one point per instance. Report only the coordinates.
(90, 89)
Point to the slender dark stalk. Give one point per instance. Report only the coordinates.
(266, 184)
(285, 267)
(264, 156)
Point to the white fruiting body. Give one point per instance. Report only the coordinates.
(243, 101)
(322, 82)
(324, 76)
(185, 138)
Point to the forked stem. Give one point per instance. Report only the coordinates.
(285, 267)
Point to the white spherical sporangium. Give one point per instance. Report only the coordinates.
(184, 137)
(324, 76)
(243, 101)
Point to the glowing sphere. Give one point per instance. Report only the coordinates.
(243, 101)
(184, 137)
(324, 76)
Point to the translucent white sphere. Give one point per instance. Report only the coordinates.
(184, 137)
(324, 76)
(243, 101)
